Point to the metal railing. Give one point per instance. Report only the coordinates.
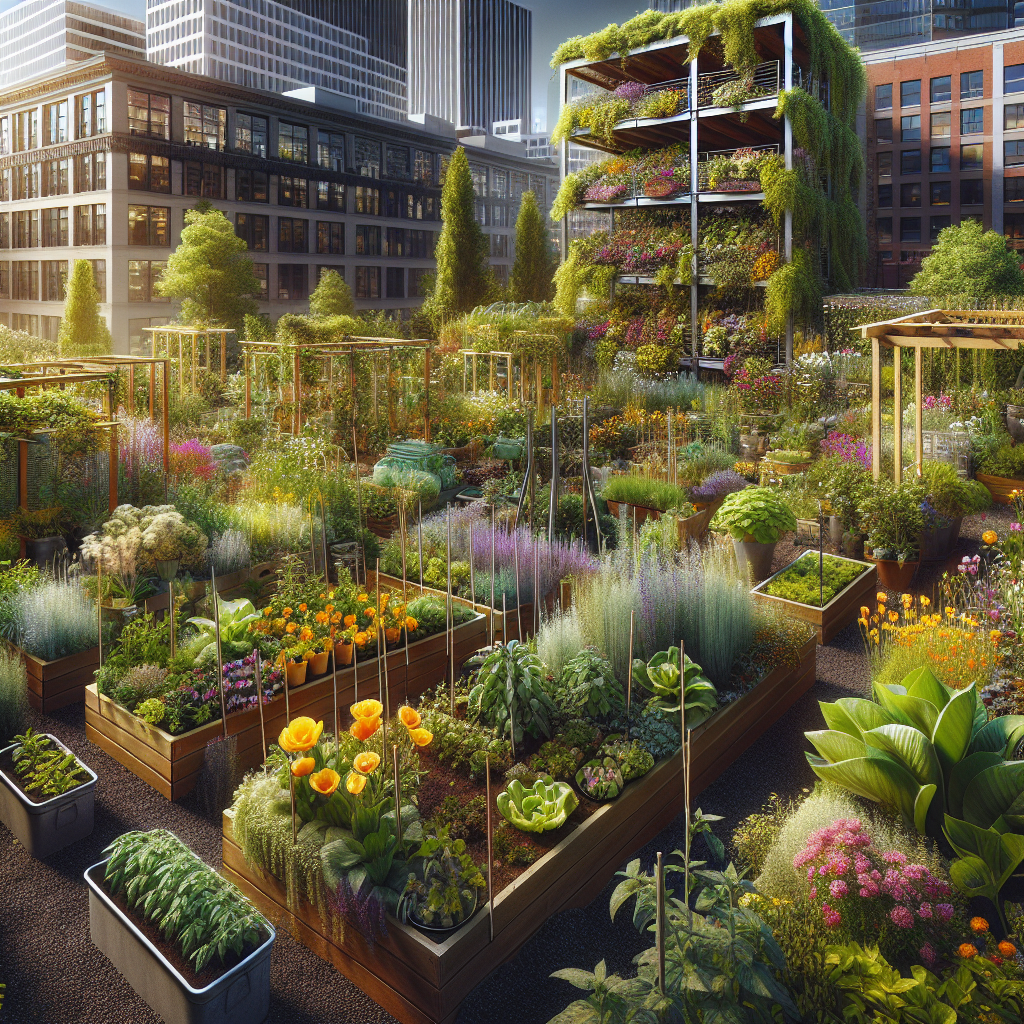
(763, 81)
(703, 159)
(679, 85)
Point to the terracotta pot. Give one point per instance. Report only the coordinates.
(894, 575)
(343, 653)
(1000, 487)
(754, 558)
(318, 663)
(296, 672)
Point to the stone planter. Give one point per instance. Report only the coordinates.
(50, 825)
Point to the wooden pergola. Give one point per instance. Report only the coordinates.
(991, 329)
(190, 340)
(348, 348)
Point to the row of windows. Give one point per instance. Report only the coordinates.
(46, 280)
(506, 184)
(53, 178)
(910, 228)
(972, 122)
(293, 235)
(971, 159)
(939, 193)
(972, 87)
(25, 130)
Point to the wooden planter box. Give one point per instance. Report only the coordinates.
(171, 764)
(232, 581)
(1000, 487)
(419, 981)
(835, 616)
(56, 684)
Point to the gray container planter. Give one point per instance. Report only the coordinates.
(44, 828)
(239, 996)
(754, 558)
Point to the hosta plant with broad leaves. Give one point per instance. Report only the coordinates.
(509, 694)
(929, 752)
(235, 641)
(161, 879)
(661, 676)
(541, 807)
(757, 513)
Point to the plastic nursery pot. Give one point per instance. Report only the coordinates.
(46, 827)
(167, 568)
(343, 653)
(754, 558)
(239, 996)
(468, 910)
(296, 672)
(318, 663)
(895, 575)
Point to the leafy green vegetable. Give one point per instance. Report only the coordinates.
(539, 808)
(509, 694)
(661, 676)
(756, 512)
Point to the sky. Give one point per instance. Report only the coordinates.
(553, 21)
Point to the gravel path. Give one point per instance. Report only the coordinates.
(55, 975)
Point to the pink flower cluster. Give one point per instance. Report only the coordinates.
(192, 459)
(943, 402)
(847, 447)
(864, 886)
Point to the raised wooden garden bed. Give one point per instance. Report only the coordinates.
(171, 764)
(419, 981)
(838, 613)
(56, 684)
(1000, 487)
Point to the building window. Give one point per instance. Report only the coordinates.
(883, 97)
(396, 282)
(367, 200)
(883, 229)
(910, 161)
(330, 238)
(392, 203)
(910, 229)
(293, 192)
(330, 150)
(884, 164)
(1013, 116)
(499, 216)
(26, 183)
(330, 196)
(479, 175)
(55, 226)
(25, 280)
(1013, 153)
(91, 114)
(149, 173)
(5, 139)
(884, 196)
(417, 286)
(293, 142)
(91, 224)
(5, 279)
(149, 114)
(940, 193)
(398, 165)
(251, 135)
(941, 89)
(499, 246)
(1013, 229)
(940, 158)
(255, 229)
(55, 123)
(291, 282)
(420, 245)
(367, 282)
(55, 280)
(941, 124)
(99, 278)
(910, 93)
(55, 178)
(26, 130)
(394, 242)
(1013, 190)
(937, 224)
(143, 276)
(423, 168)
(972, 85)
(910, 128)
(251, 186)
(292, 235)
(910, 194)
(26, 229)
(367, 240)
(91, 172)
(205, 126)
(149, 225)
(262, 273)
(203, 180)
(5, 231)
(972, 121)
(521, 182)
(972, 192)
(367, 157)
(480, 211)
(971, 157)
(1013, 78)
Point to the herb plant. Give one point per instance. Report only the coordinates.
(600, 779)
(509, 694)
(43, 766)
(802, 583)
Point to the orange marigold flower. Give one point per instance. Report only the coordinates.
(267, 612)
(989, 537)
(1007, 948)
(367, 709)
(286, 612)
(967, 951)
(894, 616)
(907, 600)
(355, 783)
(322, 617)
(370, 611)
(409, 717)
(979, 925)
(325, 781)
(303, 767)
(367, 762)
(302, 607)
(350, 620)
(421, 737)
(363, 598)
(291, 627)
(363, 728)
(329, 608)
(411, 624)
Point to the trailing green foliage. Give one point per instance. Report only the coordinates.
(578, 273)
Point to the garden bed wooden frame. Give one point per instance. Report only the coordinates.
(56, 684)
(419, 981)
(838, 613)
(171, 764)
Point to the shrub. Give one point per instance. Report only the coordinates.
(13, 696)
(55, 620)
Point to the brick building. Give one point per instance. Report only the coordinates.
(944, 133)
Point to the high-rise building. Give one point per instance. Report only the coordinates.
(382, 23)
(470, 61)
(280, 47)
(38, 36)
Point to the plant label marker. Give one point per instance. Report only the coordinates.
(398, 793)
(220, 660)
(259, 699)
(490, 846)
(660, 925)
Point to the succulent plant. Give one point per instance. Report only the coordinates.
(541, 807)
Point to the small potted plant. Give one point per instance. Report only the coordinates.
(893, 518)
(318, 655)
(755, 518)
(41, 533)
(344, 645)
(445, 888)
(169, 539)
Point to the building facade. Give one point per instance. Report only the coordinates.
(470, 61)
(944, 143)
(39, 36)
(281, 47)
(102, 160)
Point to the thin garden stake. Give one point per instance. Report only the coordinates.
(490, 844)
(472, 579)
(629, 669)
(504, 640)
(398, 794)
(323, 539)
(536, 584)
(493, 609)
(99, 608)
(519, 602)
(659, 936)
(259, 698)
(449, 611)
(291, 787)
(821, 556)
(419, 532)
(402, 526)
(377, 635)
(220, 661)
(170, 609)
(359, 490)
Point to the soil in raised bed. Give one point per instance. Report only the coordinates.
(37, 797)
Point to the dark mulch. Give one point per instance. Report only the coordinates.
(54, 973)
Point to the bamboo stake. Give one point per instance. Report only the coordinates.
(536, 585)
(493, 609)
(519, 602)
(398, 794)
(291, 787)
(490, 846)
(259, 698)
(472, 579)
(382, 643)
(402, 525)
(220, 661)
(359, 491)
(170, 608)
(659, 937)
(512, 734)
(99, 608)
(419, 541)
(629, 670)
(448, 610)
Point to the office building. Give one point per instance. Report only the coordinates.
(382, 23)
(944, 143)
(280, 47)
(102, 160)
(470, 61)
(39, 36)
(539, 147)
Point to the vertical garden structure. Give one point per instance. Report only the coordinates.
(732, 110)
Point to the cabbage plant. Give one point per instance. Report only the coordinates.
(538, 808)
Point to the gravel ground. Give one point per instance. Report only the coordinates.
(55, 975)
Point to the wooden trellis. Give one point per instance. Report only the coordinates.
(190, 342)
